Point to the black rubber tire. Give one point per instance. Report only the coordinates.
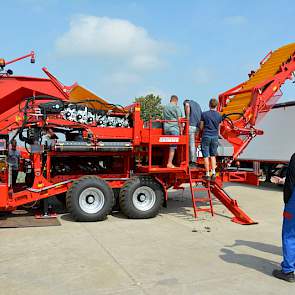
(126, 197)
(73, 195)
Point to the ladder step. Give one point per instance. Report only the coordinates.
(200, 189)
(202, 200)
(196, 200)
(204, 210)
(196, 188)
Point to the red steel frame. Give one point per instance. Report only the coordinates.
(262, 101)
(146, 142)
(46, 186)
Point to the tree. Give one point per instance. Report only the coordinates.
(151, 107)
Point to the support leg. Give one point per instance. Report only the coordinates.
(240, 216)
(46, 210)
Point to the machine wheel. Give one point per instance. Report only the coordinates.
(141, 197)
(90, 199)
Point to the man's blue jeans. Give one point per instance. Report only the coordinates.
(193, 130)
(288, 236)
(209, 146)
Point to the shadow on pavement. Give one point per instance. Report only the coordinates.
(119, 215)
(68, 217)
(273, 249)
(250, 261)
(263, 186)
(182, 207)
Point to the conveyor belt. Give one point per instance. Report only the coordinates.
(268, 69)
(79, 94)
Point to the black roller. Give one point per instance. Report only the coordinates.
(73, 146)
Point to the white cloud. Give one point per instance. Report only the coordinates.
(115, 40)
(235, 20)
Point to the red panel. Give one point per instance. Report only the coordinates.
(14, 89)
(3, 195)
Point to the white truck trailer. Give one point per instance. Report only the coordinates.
(269, 154)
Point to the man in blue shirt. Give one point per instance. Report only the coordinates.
(193, 113)
(210, 122)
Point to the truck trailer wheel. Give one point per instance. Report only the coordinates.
(141, 197)
(89, 199)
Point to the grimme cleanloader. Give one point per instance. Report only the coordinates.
(106, 154)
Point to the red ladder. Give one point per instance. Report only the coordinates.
(200, 189)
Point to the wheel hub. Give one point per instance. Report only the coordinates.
(144, 198)
(91, 200)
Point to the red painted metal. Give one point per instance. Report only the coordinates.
(195, 199)
(14, 89)
(62, 88)
(150, 137)
(150, 146)
(264, 96)
(232, 205)
(31, 55)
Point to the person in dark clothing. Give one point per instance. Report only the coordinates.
(193, 113)
(290, 180)
(210, 122)
(13, 161)
(50, 137)
(288, 232)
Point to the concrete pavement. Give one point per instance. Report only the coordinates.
(170, 254)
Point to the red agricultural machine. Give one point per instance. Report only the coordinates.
(105, 154)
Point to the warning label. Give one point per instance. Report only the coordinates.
(169, 139)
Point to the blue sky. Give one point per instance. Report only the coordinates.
(124, 49)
